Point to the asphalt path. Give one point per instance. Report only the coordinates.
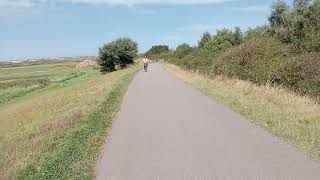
(167, 130)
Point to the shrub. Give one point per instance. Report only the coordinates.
(259, 60)
(157, 49)
(117, 53)
(303, 74)
(293, 24)
(311, 42)
(183, 50)
(260, 31)
(206, 37)
(198, 59)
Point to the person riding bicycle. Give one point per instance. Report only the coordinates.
(145, 63)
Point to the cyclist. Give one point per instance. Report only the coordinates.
(145, 64)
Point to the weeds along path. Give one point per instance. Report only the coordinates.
(56, 134)
(167, 130)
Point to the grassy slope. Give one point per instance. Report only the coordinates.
(56, 133)
(16, 82)
(292, 118)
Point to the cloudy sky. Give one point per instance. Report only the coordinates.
(52, 28)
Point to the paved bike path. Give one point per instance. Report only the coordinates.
(167, 130)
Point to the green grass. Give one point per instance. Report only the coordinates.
(293, 118)
(16, 82)
(55, 132)
(73, 155)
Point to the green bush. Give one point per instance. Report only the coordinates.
(206, 37)
(117, 53)
(157, 49)
(199, 60)
(183, 50)
(259, 60)
(311, 42)
(297, 25)
(302, 74)
(264, 54)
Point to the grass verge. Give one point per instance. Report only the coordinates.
(57, 134)
(74, 154)
(294, 119)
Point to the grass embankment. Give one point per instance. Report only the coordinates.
(293, 118)
(16, 82)
(57, 133)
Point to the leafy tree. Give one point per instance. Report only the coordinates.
(182, 50)
(206, 37)
(301, 6)
(237, 36)
(157, 49)
(279, 14)
(221, 41)
(117, 53)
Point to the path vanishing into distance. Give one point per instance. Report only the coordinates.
(167, 130)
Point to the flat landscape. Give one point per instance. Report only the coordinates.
(160, 90)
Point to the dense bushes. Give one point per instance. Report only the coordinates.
(297, 25)
(259, 60)
(222, 40)
(285, 52)
(303, 74)
(198, 59)
(183, 50)
(157, 49)
(117, 53)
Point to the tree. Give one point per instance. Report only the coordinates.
(157, 49)
(279, 14)
(221, 41)
(237, 36)
(206, 37)
(182, 50)
(117, 53)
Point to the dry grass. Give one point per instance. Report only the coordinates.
(29, 125)
(293, 118)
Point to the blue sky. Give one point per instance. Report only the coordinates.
(54, 28)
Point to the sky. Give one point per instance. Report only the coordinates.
(60, 28)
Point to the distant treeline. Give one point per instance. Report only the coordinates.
(285, 52)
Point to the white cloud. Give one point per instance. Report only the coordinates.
(257, 8)
(16, 3)
(139, 2)
(21, 3)
(31, 3)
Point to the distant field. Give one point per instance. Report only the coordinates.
(16, 82)
(53, 119)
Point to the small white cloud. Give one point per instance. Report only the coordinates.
(30, 3)
(16, 3)
(257, 8)
(139, 2)
(21, 3)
